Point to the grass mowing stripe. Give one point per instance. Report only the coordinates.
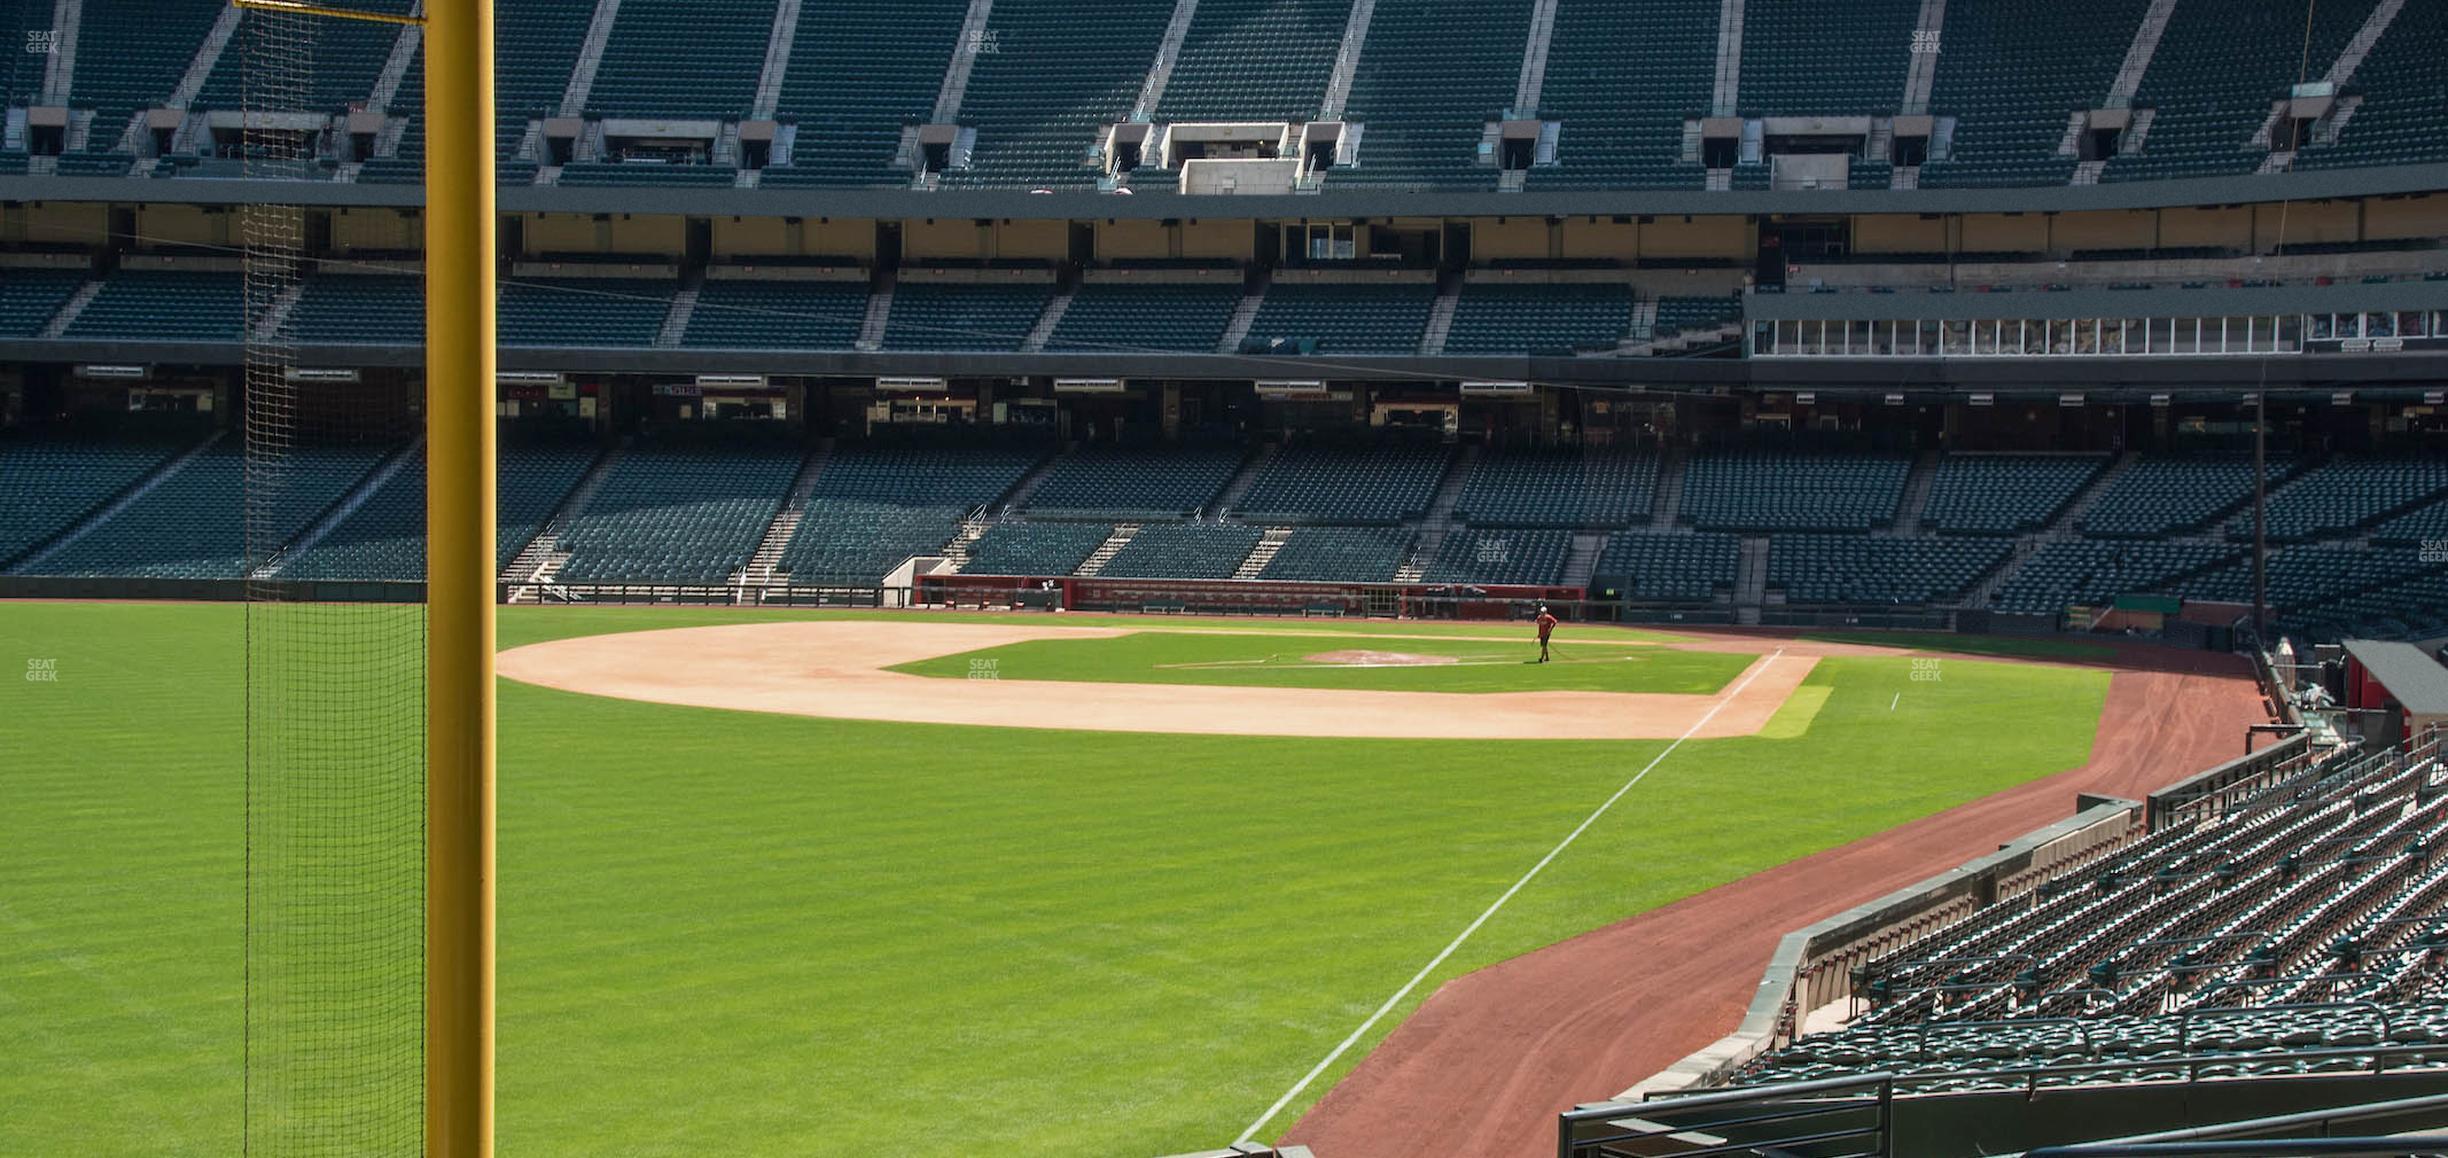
(1499, 903)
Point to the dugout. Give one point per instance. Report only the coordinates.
(2402, 691)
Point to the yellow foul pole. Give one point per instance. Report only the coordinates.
(459, 380)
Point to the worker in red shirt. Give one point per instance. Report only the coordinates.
(1546, 627)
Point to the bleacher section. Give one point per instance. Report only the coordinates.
(874, 506)
(1622, 78)
(384, 538)
(2287, 933)
(1677, 315)
(856, 543)
(1383, 484)
(677, 515)
(1183, 551)
(2004, 494)
(1432, 75)
(139, 305)
(1856, 570)
(2303, 575)
(647, 172)
(1564, 318)
(2218, 68)
(192, 525)
(1797, 62)
(1651, 567)
(47, 485)
(1013, 547)
(1752, 491)
(801, 315)
(1347, 554)
(1479, 556)
(1558, 489)
(964, 316)
(858, 73)
(2344, 495)
(1254, 60)
(1342, 318)
(2093, 573)
(642, 74)
(534, 45)
(583, 311)
(348, 55)
(29, 297)
(131, 54)
(2161, 494)
(2010, 102)
(359, 308)
(1056, 73)
(2403, 119)
(1123, 317)
(1142, 481)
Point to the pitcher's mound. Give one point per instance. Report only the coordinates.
(1358, 658)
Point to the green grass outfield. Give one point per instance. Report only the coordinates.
(761, 934)
(1595, 662)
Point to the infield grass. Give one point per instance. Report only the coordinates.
(1477, 664)
(761, 934)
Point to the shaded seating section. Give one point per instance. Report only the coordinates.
(359, 309)
(1058, 73)
(29, 297)
(682, 58)
(2216, 72)
(1344, 318)
(347, 57)
(1561, 318)
(2346, 494)
(1386, 483)
(858, 72)
(1558, 488)
(1681, 314)
(130, 54)
(964, 315)
(1254, 60)
(2154, 496)
(1796, 61)
(1014, 547)
(535, 43)
(1853, 569)
(874, 506)
(856, 542)
(1142, 481)
(48, 484)
(1760, 491)
(2306, 575)
(2222, 944)
(677, 514)
(1622, 78)
(1353, 554)
(2412, 608)
(166, 305)
(584, 311)
(2403, 119)
(2424, 524)
(2092, 573)
(384, 538)
(192, 525)
(2005, 494)
(1646, 565)
(1127, 316)
(2010, 100)
(1474, 555)
(1432, 74)
(1183, 551)
(800, 315)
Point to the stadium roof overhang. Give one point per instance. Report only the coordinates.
(1332, 202)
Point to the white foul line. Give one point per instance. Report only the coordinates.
(1482, 919)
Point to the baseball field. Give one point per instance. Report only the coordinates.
(787, 883)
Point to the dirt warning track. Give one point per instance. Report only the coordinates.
(838, 670)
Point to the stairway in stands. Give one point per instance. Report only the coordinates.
(879, 312)
(1582, 564)
(540, 561)
(590, 58)
(1915, 499)
(1245, 313)
(1239, 484)
(1668, 505)
(764, 565)
(1095, 563)
(1751, 580)
(1263, 553)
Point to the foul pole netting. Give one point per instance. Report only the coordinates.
(335, 691)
